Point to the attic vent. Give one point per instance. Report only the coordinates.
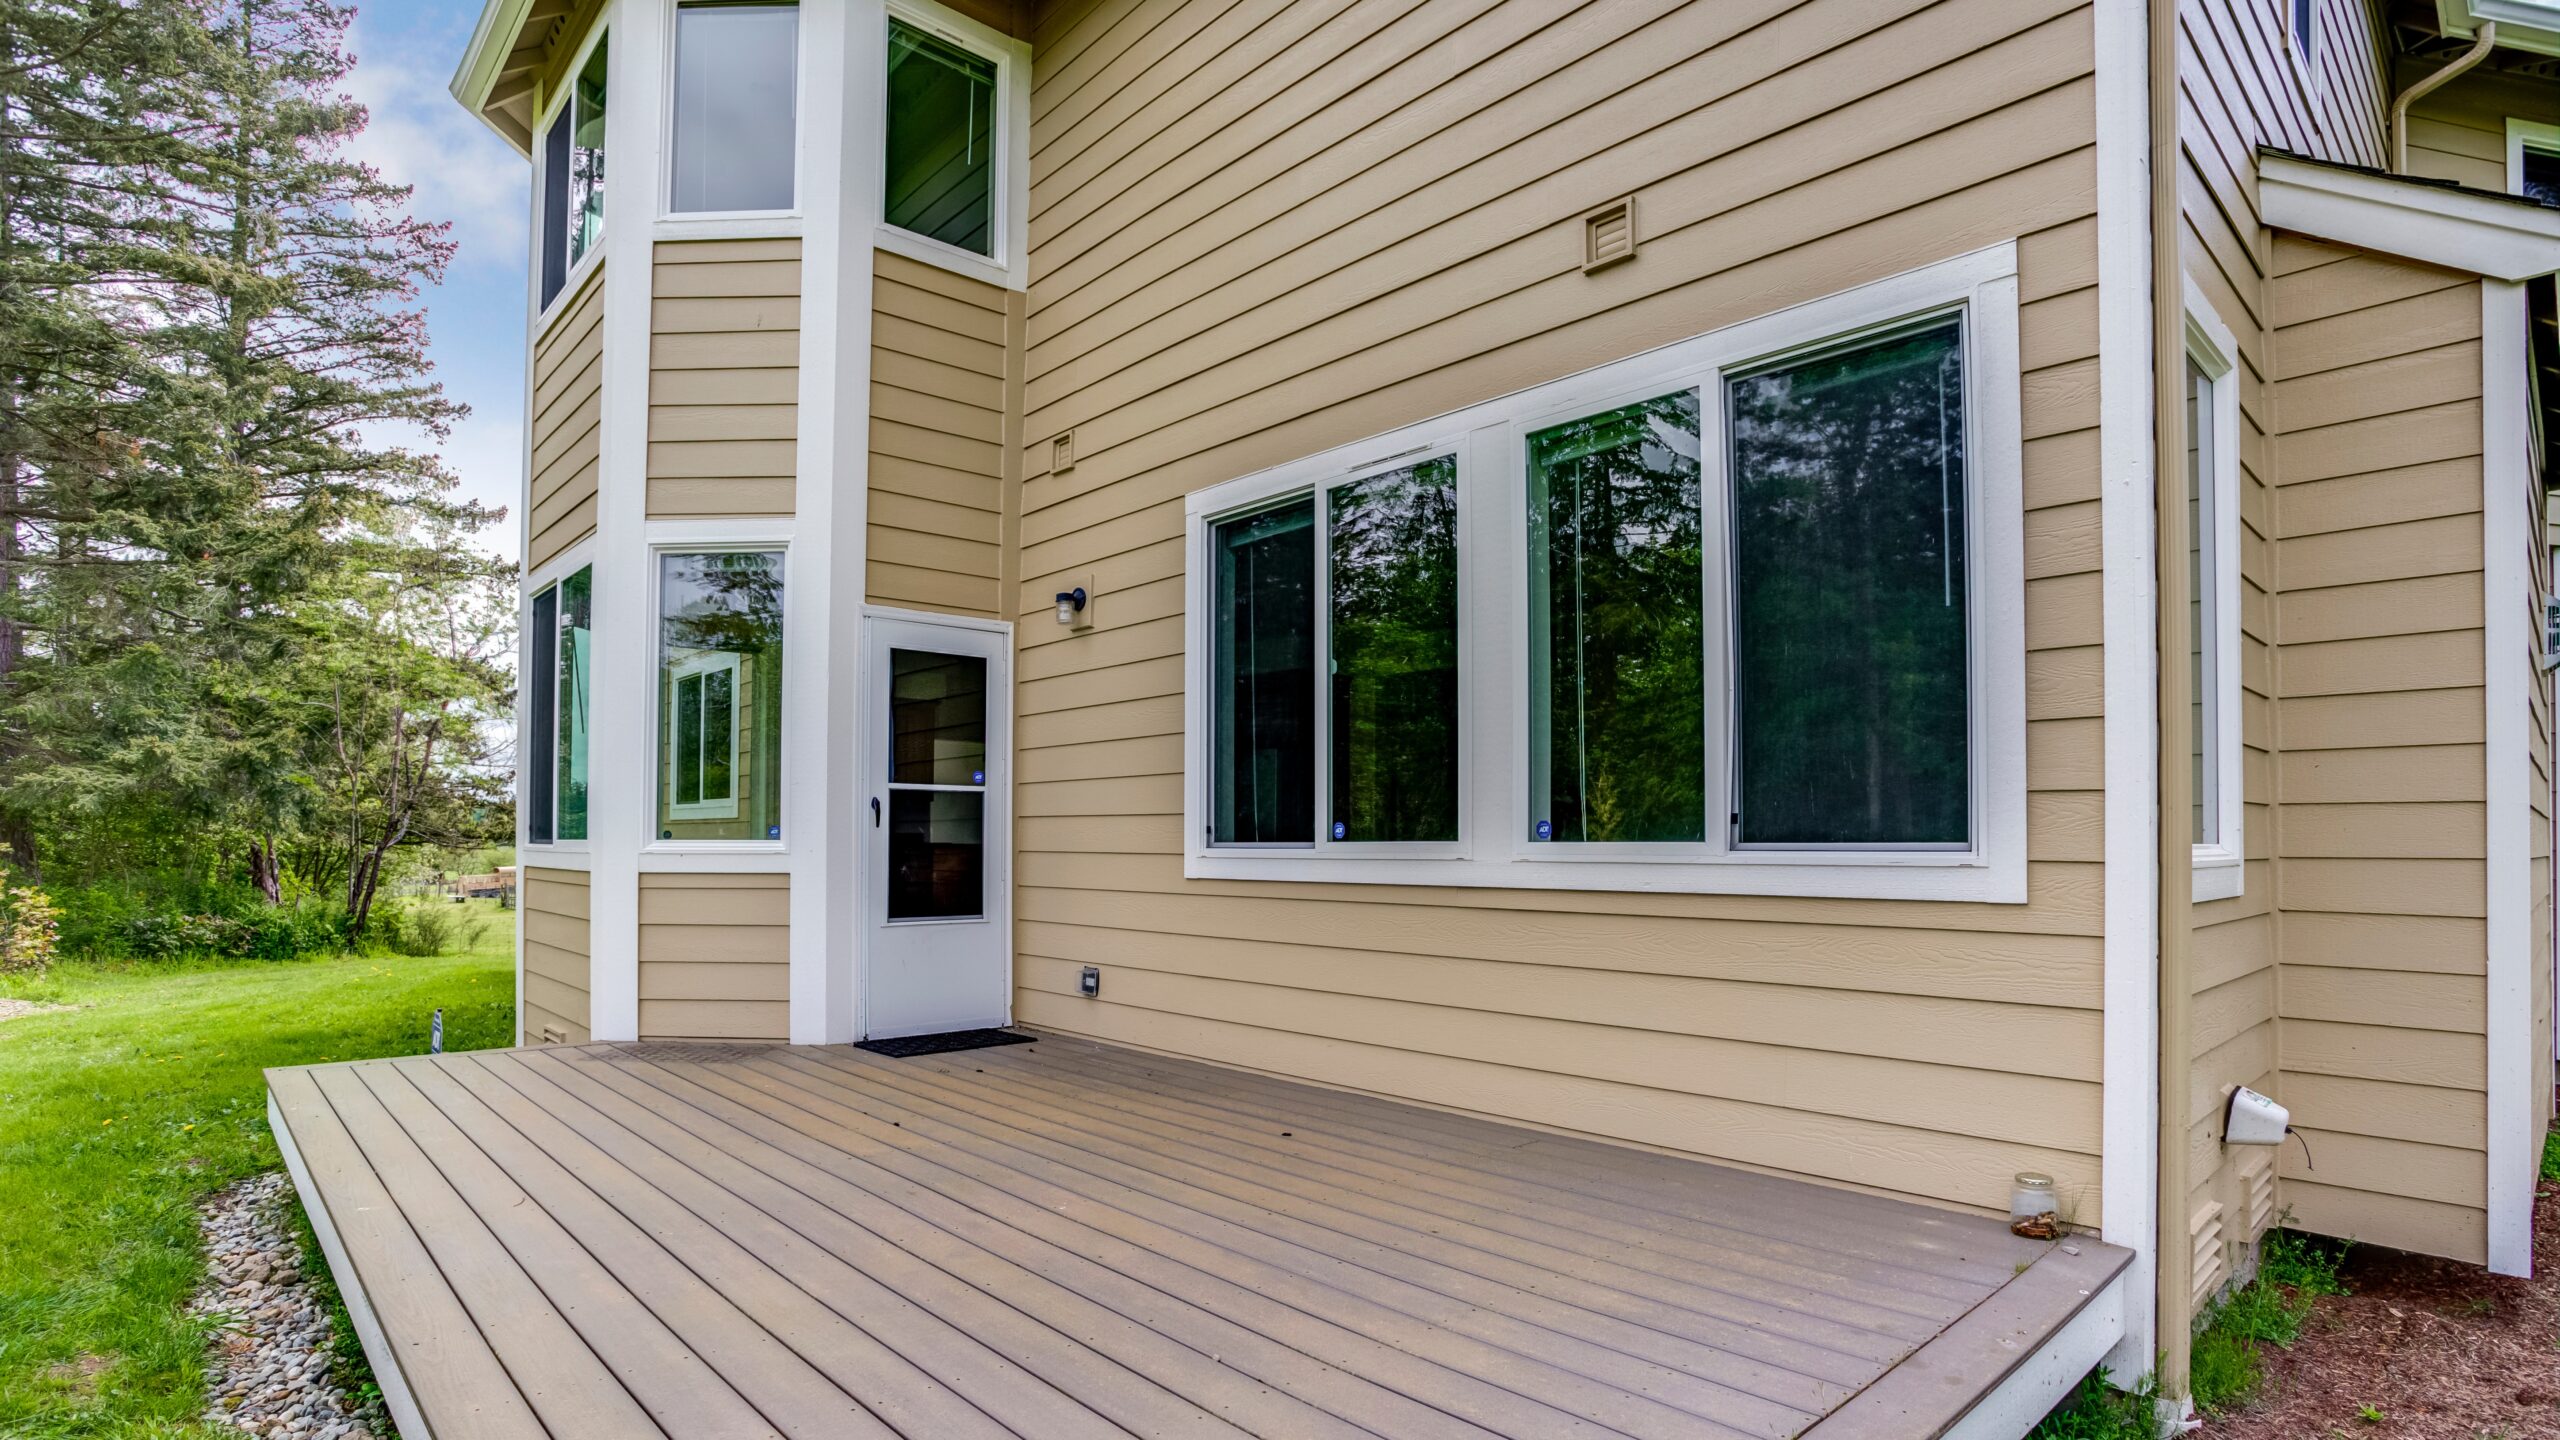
(1062, 453)
(1609, 234)
(2258, 1186)
(2208, 1264)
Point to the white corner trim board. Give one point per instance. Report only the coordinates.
(378, 1351)
(2130, 1095)
(2439, 224)
(2506, 511)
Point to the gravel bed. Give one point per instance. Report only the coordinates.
(270, 1369)
(12, 1009)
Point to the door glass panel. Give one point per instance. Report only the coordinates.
(937, 854)
(937, 718)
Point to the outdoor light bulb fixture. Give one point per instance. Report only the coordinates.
(1070, 605)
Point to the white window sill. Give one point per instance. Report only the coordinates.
(949, 257)
(545, 857)
(2219, 874)
(732, 856)
(749, 225)
(1863, 875)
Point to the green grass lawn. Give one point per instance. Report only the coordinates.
(117, 1116)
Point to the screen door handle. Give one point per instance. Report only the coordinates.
(875, 812)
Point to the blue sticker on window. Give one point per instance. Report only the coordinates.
(1546, 830)
(977, 777)
(1340, 829)
(773, 832)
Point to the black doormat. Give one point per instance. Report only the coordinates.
(908, 1047)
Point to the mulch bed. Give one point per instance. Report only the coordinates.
(2443, 1351)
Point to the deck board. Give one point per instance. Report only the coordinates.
(1072, 1240)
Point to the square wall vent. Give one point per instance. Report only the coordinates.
(1062, 453)
(1609, 234)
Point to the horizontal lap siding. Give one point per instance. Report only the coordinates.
(2377, 371)
(724, 377)
(2238, 89)
(2458, 132)
(555, 955)
(1264, 229)
(568, 398)
(944, 350)
(715, 956)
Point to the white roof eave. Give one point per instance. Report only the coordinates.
(2437, 224)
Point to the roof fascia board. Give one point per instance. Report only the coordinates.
(2532, 25)
(2431, 223)
(492, 40)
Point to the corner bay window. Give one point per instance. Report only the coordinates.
(735, 130)
(572, 177)
(559, 650)
(719, 696)
(1761, 616)
(941, 141)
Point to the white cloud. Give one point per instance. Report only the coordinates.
(418, 136)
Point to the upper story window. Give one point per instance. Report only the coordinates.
(736, 137)
(559, 651)
(573, 175)
(1742, 615)
(2303, 25)
(941, 164)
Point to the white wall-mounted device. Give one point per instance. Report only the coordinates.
(2253, 1119)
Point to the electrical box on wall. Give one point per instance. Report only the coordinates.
(1089, 984)
(2253, 1119)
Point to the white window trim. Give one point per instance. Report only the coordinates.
(706, 664)
(673, 224)
(575, 278)
(2306, 59)
(2220, 868)
(560, 854)
(1010, 225)
(1495, 848)
(703, 537)
(2523, 135)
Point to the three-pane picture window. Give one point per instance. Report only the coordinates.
(559, 691)
(940, 140)
(737, 75)
(719, 696)
(1755, 599)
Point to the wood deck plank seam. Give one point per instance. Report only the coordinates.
(1461, 1394)
(1447, 1326)
(671, 1370)
(1248, 1146)
(589, 1411)
(316, 1108)
(585, 1178)
(1421, 1241)
(1579, 1160)
(1755, 1378)
(1235, 1332)
(931, 1323)
(1320, 1147)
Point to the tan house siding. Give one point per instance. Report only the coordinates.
(2382, 826)
(724, 377)
(715, 956)
(943, 350)
(1364, 218)
(568, 400)
(2459, 131)
(2240, 88)
(555, 955)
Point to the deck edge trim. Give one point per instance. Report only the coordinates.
(406, 1417)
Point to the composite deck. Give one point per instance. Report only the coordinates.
(1071, 1240)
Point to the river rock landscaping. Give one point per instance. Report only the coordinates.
(270, 1370)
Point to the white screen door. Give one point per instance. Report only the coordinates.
(937, 826)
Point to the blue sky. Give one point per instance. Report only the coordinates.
(405, 52)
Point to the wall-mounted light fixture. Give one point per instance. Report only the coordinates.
(1070, 605)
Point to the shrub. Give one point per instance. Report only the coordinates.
(234, 923)
(29, 928)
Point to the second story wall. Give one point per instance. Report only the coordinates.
(724, 376)
(945, 362)
(568, 380)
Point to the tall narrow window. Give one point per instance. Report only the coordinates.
(2215, 744)
(540, 716)
(554, 220)
(1617, 667)
(2205, 786)
(1393, 594)
(737, 78)
(557, 647)
(941, 140)
(720, 696)
(1849, 598)
(1263, 729)
(586, 156)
